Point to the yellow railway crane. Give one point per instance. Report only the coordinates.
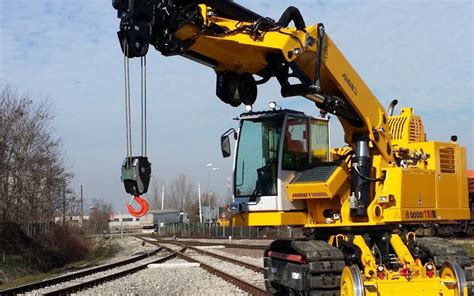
(357, 204)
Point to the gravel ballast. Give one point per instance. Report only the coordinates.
(167, 281)
(49, 289)
(230, 268)
(254, 257)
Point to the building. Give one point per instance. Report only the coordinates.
(71, 219)
(169, 216)
(129, 223)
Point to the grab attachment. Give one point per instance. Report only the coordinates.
(141, 202)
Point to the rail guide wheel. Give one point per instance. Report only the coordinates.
(453, 277)
(351, 281)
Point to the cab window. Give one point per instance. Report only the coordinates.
(319, 141)
(295, 148)
(257, 154)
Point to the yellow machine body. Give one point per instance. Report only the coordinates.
(423, 181)
(433, 189)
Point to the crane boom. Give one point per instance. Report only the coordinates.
(240, 44)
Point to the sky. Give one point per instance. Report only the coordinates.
(67, 53)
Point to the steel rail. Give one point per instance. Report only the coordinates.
(199, 243)
(75, 275)
(218, 256)
(236, 238)
(243, 285)
(84, 285)
(228, 259)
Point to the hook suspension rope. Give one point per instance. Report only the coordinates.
(128, 121)
(136, 170)
(128, 111)
(143, 105)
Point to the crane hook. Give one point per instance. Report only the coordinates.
(142, 210)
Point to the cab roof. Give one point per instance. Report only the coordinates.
(270, 113)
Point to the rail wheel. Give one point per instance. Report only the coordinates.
(351, 281)
(452, 272)
(439, 251)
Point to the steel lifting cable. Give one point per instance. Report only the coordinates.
(143, 106)
(128, 128)
(143, 204)
(145, 119)
(128, 120)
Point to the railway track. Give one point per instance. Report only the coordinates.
(211, 254)
(200, 243)
(238, 282)
(269, 238)
(66, 287)
(81, 285)
(178, 251)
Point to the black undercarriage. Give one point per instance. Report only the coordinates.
(313, 267)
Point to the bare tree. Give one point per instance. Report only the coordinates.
(99, 216)
(182, 193)
(34, 183)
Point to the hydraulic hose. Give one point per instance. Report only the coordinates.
(292, 14)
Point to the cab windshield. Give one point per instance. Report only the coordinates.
(257, 154)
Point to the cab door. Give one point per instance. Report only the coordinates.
(294, 157)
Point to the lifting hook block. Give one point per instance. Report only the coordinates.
(143, 209)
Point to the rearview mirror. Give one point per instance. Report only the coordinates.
(225, 146)
(225, 142)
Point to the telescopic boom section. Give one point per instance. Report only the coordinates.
(240, 45)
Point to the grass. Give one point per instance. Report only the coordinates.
(21, 274)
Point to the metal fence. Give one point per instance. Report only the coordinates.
(204, 230)
(34, 230)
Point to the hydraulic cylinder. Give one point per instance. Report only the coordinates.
(360, 178)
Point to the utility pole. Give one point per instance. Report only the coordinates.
(82, 205)
(163, 197)
(199, 199)
(209, 166)
(215, 196)
(121, 224)
(64, 203)
(210, 212)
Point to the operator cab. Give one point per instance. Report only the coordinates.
(272, 147)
